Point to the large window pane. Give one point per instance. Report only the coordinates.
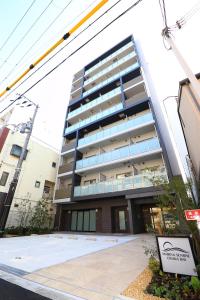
(86, 220)
(4, 178)
(80, 221)
(73, 222)
(122, 223)
(92, 220)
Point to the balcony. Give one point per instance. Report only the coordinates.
(62, 194)
(116, 76)
(108, 58)
(94, 118)
(125, 127)
(135, 93)
(123, 154)
(117, 185)
(94, 103)
(68, 147)
(114, 67)
(65, 168)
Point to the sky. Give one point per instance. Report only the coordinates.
(144, 22)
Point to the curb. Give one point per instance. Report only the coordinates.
(38, 288)
(120, 297)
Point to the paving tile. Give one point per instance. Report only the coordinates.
(37, 278)
(91, 295)
(60, 286)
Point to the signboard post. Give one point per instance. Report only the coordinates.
(176, 255)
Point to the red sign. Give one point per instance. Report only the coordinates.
(192, 215)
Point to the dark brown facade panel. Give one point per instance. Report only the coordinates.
(103, 216)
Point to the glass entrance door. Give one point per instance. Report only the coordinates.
(83, 220)
(120, 219)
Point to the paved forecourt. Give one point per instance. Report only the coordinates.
(85, 266)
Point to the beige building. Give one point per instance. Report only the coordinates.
(38, 173)
(189, 114)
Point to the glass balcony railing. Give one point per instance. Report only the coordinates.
(109, 57)
(118, 154)
(107, 133)
(95, 102)
(110, 68)
(95, 117)
(128, 183)
(119, 74)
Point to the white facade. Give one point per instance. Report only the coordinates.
(37, 176)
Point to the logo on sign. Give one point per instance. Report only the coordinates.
(167, 246)
(172, 253)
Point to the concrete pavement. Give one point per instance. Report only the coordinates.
(97, 276)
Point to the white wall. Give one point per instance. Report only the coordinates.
(36, 167)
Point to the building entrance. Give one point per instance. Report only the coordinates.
(153, 219)
(120, 220)
(83, 220)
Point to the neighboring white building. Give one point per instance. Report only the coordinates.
(37, 178)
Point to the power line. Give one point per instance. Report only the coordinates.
(37, 40)
(179, 23)
(16, 26)
(10, 104)
(163, 11)
(27, 32)
(58, 43)
(192, 11)
(77, 16)
(83, 45)
(98, 18)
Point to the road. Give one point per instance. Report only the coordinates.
(10, 291)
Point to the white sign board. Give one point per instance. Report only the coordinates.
(176, 255)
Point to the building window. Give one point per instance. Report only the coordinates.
(53, 164)
(4, 178)
(124, 175)
(47, 189)
(149, 169)
(88, 182)
(37, 184)
(17, 150)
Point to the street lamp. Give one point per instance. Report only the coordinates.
(27, 128)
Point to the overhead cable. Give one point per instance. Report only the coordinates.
(61, 49)
(36, 41)
(60, 41)
(26, 33)
(80, 47)
(179, 23)
(16, 26)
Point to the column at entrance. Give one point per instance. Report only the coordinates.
(137, 218)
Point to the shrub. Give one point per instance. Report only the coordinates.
(154, 265)
(181, 288)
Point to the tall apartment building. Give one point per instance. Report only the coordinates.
(111, 150)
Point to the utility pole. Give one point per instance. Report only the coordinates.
(168, 36)
(11, 192)
(195, 85)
